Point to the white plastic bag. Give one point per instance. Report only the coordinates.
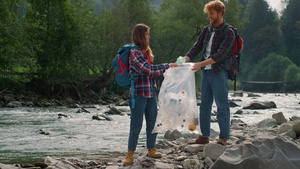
(177, 100)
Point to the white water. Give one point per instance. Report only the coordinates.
(80, 136)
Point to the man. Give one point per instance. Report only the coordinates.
(215, 44)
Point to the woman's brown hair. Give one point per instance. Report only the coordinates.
(139, 38)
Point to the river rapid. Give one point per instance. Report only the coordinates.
(30, 134)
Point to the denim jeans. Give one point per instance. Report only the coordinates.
(149, 107)
(214, 86)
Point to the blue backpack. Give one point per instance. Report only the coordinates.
(120, 66)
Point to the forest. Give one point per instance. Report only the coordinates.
(63, 48)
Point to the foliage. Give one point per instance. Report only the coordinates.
(261, 32)
(270, 69)
(72, 43)
(292, 78)
(291, 30)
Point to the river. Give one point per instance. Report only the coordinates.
(77, 135)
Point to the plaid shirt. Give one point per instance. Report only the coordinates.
(143, 80)
(222, 44)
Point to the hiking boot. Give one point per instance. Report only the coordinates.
(222, 141)
(200, 140)
(152, 153)
(129, 158)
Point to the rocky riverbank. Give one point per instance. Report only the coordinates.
(271, 143)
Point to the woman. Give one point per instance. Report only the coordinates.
(141, 62)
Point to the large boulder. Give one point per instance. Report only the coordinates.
(265, 151)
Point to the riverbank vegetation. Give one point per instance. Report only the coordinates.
(65, 47)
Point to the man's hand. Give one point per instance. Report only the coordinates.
(197, 66)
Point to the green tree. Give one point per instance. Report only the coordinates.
(271, 68)
(292, 78)
(12, 40)
(262, 33)
(51, 26)
(290, 28)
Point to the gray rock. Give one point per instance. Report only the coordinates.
(208, 161)
(260, 105)
(296, 128)
(232, 104)
(192, 164)
(266, 151)
(291, 133)
(14, 104)
(238, 94)
(101, 117)
(160, 165)
(284, 128)
(267, 123)
(175, 134)
(112, 167)
(5, 166)
(294, 118)
(194, 148)
(113, 110)
(213, 151)
(253, 95)
(279, 117)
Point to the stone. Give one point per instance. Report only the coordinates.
(180, 158)
(294, 118)
(296, 128)
(112, 167)
(101, 117)
(208, 161)
(291, 133)
(213, 151)
(237, 94)
(194, 148)
(261, 105)
(253, 95)
(279, 117)
(192, 164)
(160, 165)
(14, 104)
(267, 123)
(232, 104)
(175, 134)
(6, 166)
(284, 128)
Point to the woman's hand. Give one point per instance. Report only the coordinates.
(173, 65)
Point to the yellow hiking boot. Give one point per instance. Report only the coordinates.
(129, 158)
(152, 153)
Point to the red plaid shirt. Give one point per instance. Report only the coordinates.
(143, 80)
(221, 48)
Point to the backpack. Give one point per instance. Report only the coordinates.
(232, 64)
(120, 66)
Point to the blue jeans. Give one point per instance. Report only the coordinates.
(149, 107)
(214, 86)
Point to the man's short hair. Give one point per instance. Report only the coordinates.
(216, 5)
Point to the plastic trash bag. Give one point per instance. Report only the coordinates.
(177, 100)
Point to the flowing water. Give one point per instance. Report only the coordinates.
(79, 136)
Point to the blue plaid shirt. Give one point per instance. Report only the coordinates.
(143, 80)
